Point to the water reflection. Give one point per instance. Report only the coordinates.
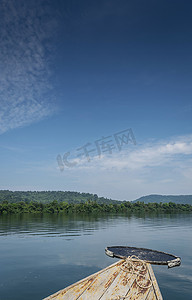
(55, 225)
(40, 254)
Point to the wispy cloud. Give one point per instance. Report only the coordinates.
(162, 153)
(162, 167)
(25, 89)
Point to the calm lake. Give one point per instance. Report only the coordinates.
(40, 255)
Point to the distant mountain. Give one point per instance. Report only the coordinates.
(49, 196)
(180, 199)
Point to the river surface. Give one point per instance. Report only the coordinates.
(40, 255)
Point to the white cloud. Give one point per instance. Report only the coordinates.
(25, 28)
(163, 167)
(139, 157)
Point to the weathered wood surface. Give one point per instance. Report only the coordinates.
(112, 283)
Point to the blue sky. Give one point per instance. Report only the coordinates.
(80, 73)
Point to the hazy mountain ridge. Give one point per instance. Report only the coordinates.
(178, 199)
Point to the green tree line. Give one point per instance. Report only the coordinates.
(89, 207)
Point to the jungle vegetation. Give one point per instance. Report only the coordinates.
(56, 207)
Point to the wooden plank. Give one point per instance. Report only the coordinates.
(137, 290)
(151, 295)
(120, 286)
(112, 283)
(100, 284)
(155, 284)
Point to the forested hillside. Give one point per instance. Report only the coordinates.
(76, 197)
(178, 199)
(49, 196)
